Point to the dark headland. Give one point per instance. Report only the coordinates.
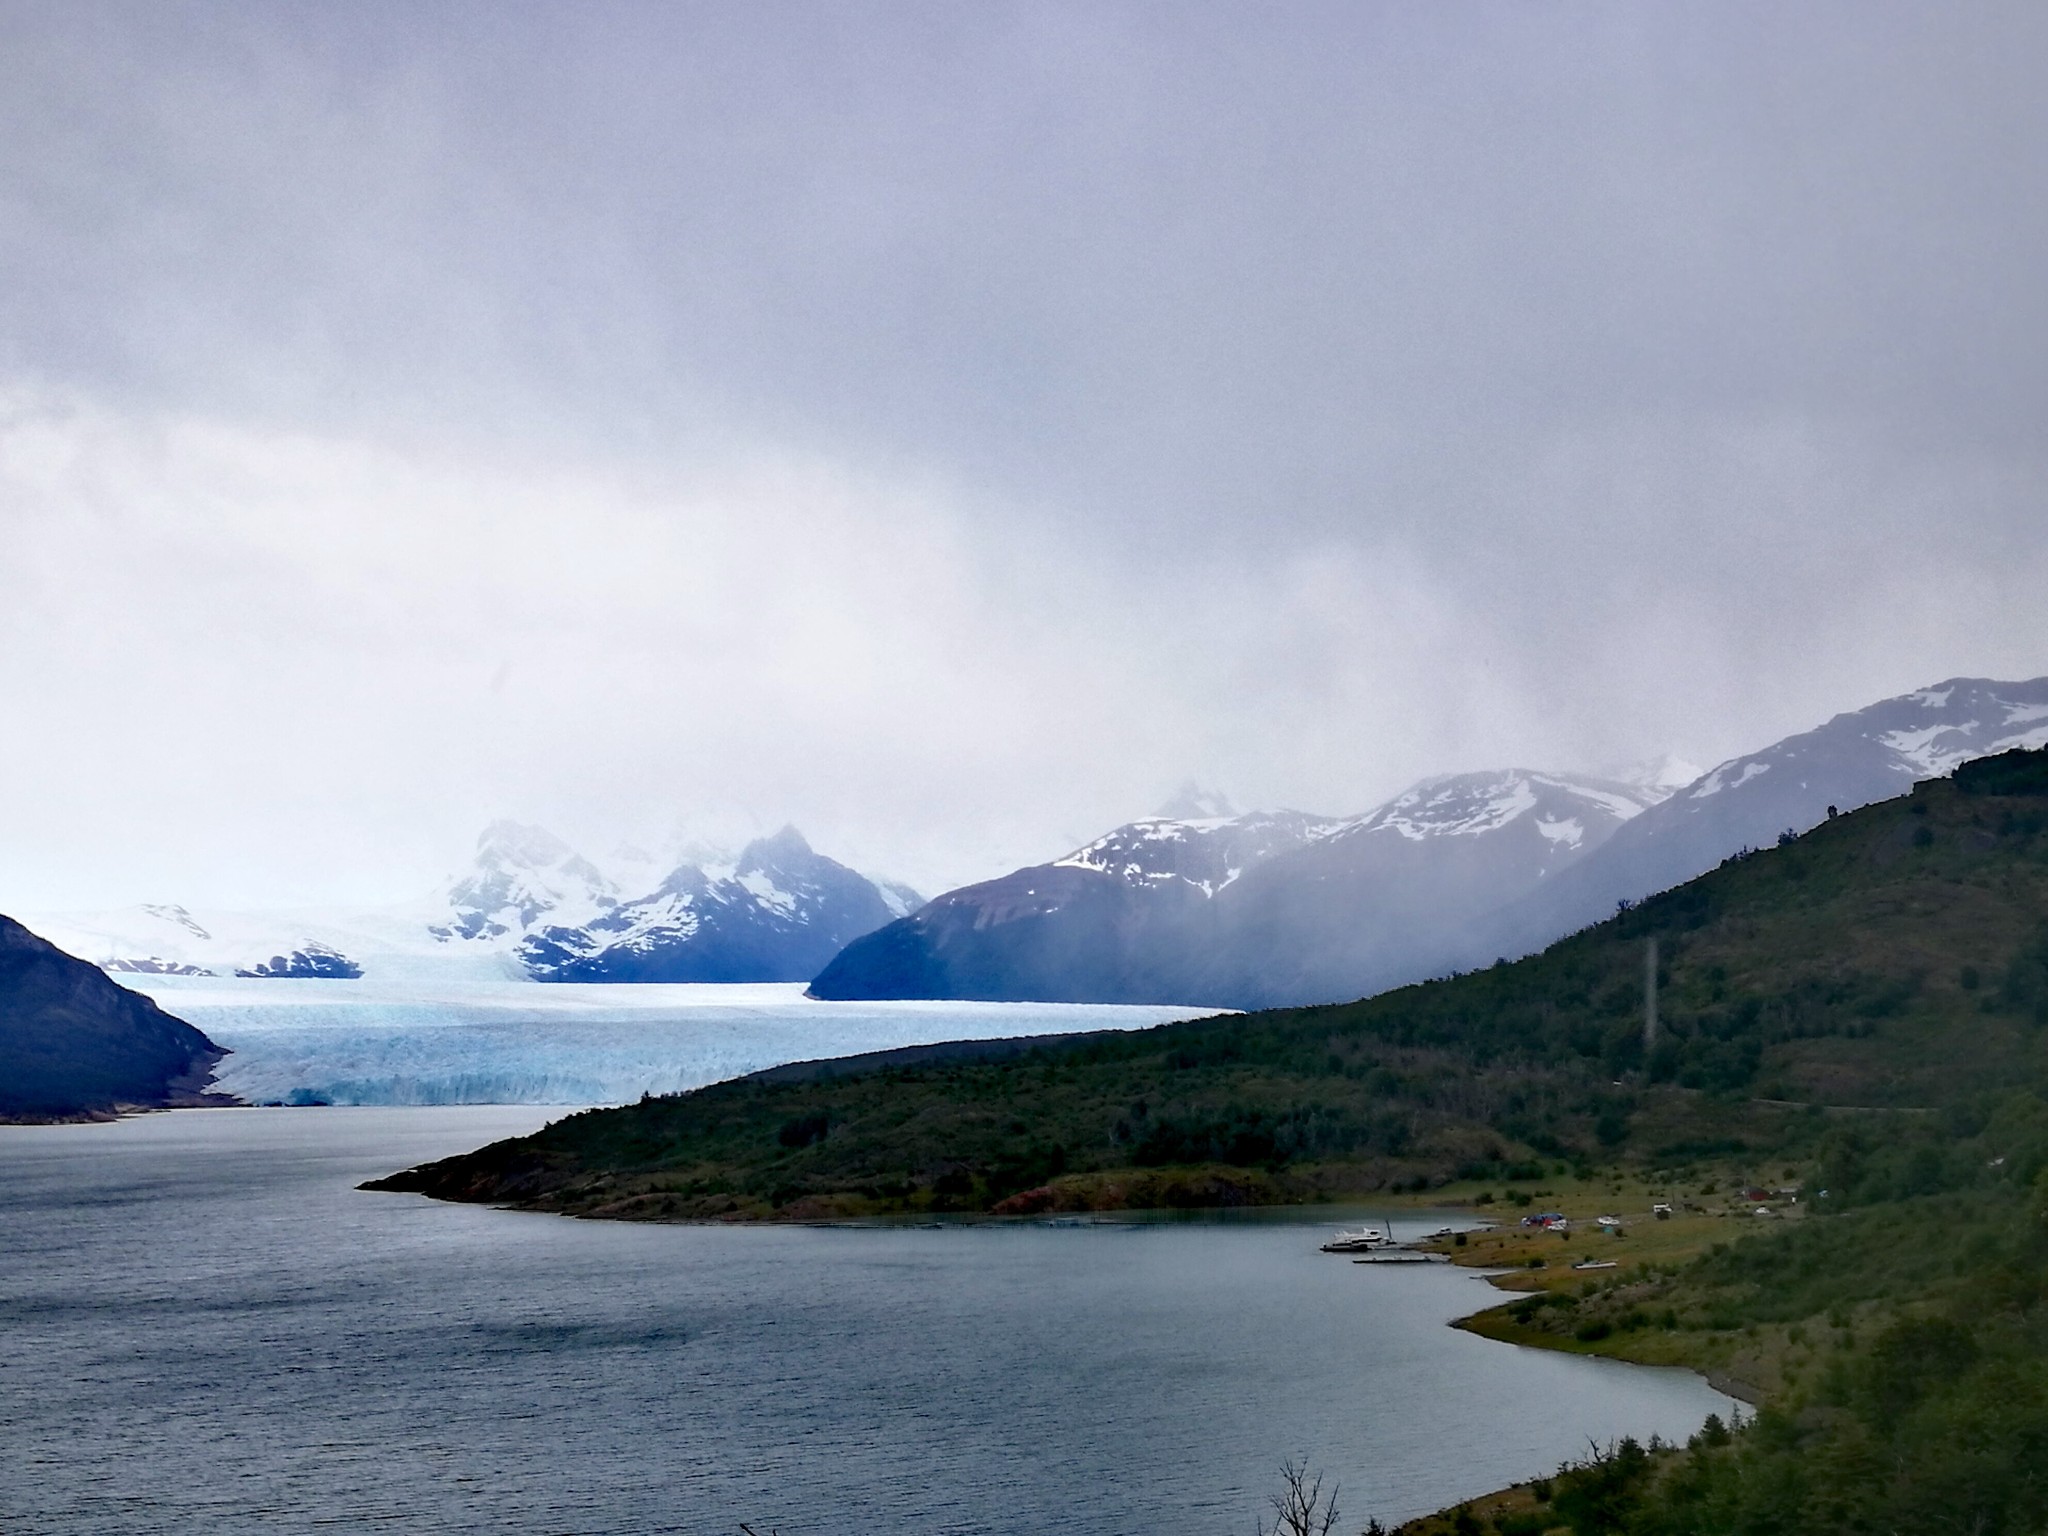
(76, 1046)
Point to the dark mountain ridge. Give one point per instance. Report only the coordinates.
(1118, 920)
(1391, 896)
(74, 1044)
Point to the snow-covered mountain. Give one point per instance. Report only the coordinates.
(1553, 816)
(165, 939)
(522, 876)
(1245, 910)
(777, 914)
(1199, 906)
(1453, 873)
(1391, 895)
(1853, 760)
(528, 907)
(1117, 920)
(1208, 853)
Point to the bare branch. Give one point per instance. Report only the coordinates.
(1301, 1508)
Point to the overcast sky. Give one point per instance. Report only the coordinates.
(948, 427)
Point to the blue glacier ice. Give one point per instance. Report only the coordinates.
(495, 1041)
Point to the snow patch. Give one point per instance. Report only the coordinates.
(1456, 807)
(1719, 779)
(1920, 752)
(1619, 806)
(767, 892)
(1207, 852)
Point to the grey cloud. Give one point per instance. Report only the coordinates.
(1307, 397)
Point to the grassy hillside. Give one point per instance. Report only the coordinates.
(1887, 967)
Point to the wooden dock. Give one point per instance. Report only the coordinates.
(1402, 1256)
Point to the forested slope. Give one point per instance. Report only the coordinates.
(1893, 959)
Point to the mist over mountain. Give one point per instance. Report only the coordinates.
(1853, 760)
(1453, 873)
(1390, 895)
(521, 876)
(529, 906)
(1199, 905)
(1243, 910)
(1116, 920)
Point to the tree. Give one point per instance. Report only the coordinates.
(1601, 1494)
(1300, 1508)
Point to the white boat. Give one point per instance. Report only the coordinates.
(1359, 1240)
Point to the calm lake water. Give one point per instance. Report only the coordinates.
(205, 1328)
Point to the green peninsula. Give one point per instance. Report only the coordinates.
(1839, 1100)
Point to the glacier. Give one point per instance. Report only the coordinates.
(425, 1039)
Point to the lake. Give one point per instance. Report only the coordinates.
(208, 1328)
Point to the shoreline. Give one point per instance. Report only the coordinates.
(1504, 1256)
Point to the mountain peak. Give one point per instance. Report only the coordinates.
(785, 844)
(521, 873)
(521, 846)
(1191, 802)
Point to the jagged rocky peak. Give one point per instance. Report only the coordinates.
(777, 913)
(784, 874)
(520, 845)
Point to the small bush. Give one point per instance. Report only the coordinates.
(804, 1130)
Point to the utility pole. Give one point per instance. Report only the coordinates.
(1649, 998)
